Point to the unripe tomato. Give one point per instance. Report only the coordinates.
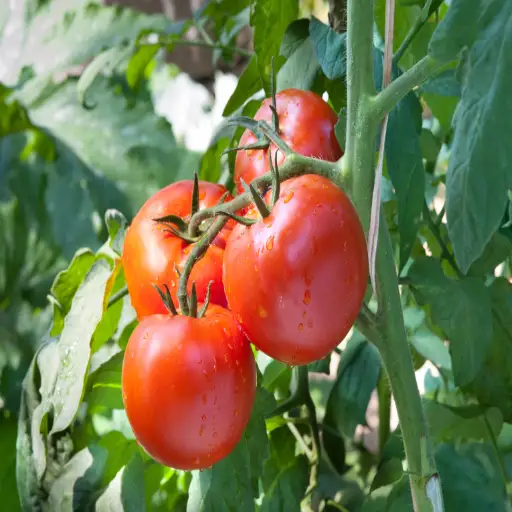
(151, 252)
(188, 387)
(295, 280)
(306, 124)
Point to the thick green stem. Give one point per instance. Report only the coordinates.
(395, 352)
(389, 97)
(365, 111)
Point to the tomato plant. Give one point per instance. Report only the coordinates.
(188, 387)
(108, 112)
(306, 124)
(153, 255)
(286, 274)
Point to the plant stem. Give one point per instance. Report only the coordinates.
(389, 97)
(395, 353)
(196, 254)
(118, 296)
(292, 166)
(384, 394)
(365, 112)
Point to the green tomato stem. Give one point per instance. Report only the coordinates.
(389, 97)
(365, 111)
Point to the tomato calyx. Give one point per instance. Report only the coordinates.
(179, 227)
(192, 310)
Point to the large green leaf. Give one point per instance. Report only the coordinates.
(330, 49)
(270, 20)
(64, 33)
(493, 383)
(231, 484)
(462, 309)
(470, 477)
(288, 488)
(404, 161)
(357, 377)
(135, 155)
(479, 172)
(249, 83)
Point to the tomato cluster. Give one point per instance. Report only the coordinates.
(291, 282)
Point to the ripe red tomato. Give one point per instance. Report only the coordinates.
(188, 387)
(295, 281)
(306, 123)
(151, 252)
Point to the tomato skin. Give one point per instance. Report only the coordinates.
(306, 123)
(188, 387)
(296, 280)
(150, 253)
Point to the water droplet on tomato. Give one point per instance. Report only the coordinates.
(288, 197)
(262, 311)
(301, 326)
(304, 314)
(256, 269)
(334, 210)
(270, 243)
(214, 434)
(235, 413)
(201, 431)
(307, 279)
(307, 297)
(203, 417)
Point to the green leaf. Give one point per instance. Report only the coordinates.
(330, 49)
(404, 162)
(296, 33)
(405, 168)
(77, 484)
(454, 423)
(476, 199)
(288, 488)
(249, 83)
(388, 472)
(462, 309)
(443, 84)
(470, 477)
(461, 27)
(432, 348)
(61, 35)
(270, 20)
(13, 117)
(74, 344)
(357, 377)
(135, 156)
(232, 482)
(493, 383)
(285, 475)
(138, 64)
(126, 492)
(120, 451)
(8, 489)
(30, 449)
(497, 250)
(300, 70)
(104, 384)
